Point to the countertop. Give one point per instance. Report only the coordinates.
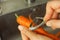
(14, 5)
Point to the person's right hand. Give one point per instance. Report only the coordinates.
(52, 11)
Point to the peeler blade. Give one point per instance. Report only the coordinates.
(35, 27)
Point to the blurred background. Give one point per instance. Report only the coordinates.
(13, 5)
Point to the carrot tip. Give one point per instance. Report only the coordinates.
(16, 15)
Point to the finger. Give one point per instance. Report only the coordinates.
(49, 12)
(27, 32)
(24, 37)
(58, 10)
(53, 24)
(50, 8)
(58, 13)
(54, 4)
(55, 15)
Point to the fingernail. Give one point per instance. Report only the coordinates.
(49, 23)
(20, 27)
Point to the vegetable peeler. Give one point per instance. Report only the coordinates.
(39, 25)
(43, 25)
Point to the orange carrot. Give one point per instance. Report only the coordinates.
(21, 20)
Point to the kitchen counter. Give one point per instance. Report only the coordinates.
(14, 5)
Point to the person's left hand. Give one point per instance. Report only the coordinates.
(30, 35)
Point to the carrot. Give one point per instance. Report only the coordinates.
(21, 20)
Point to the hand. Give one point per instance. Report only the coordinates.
(52, 11)
(29, 35)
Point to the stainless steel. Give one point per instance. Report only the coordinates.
(33, 28)
(42, 23)
(30, 1)
(39, 18)
(15, 5)
(3, 1)
(0, 11)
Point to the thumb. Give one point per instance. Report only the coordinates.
(53, 24)
(27, 32)
(24, 37)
